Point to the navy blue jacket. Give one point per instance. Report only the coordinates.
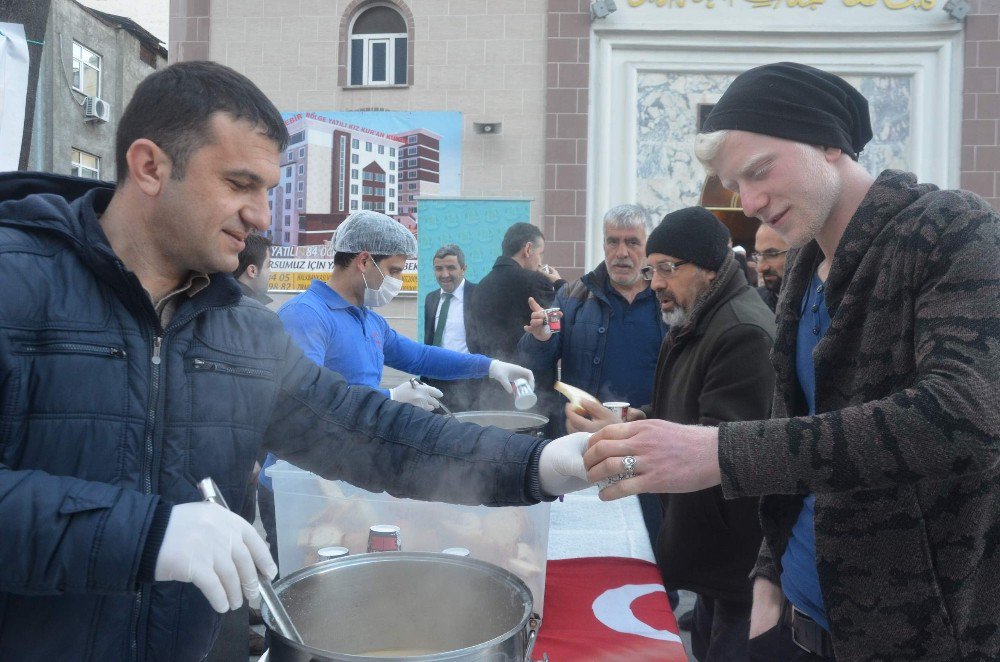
(581, 343)
(106, 419)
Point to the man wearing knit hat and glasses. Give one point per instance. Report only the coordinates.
(712, 367)
(879, 467)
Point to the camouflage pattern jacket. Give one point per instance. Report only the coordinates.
(903, 452)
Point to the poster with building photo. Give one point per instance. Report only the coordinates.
(339, 163)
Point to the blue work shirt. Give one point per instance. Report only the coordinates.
(631, 349)
(799, 578)
(356, 342)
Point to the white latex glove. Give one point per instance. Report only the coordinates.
(217, 551)
(417, 394)
(506, 373)
(560, 467)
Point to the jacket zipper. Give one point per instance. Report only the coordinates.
(73, 348)
(229, 369)
(147, 470)
(148, 451)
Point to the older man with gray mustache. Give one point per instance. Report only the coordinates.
(611, 331)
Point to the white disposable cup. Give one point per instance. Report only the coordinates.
(524, 395)
(620, 409)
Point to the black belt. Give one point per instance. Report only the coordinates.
(807, 633)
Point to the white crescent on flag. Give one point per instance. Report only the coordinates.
(613, 608)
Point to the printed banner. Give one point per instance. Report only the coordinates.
(339, 163)
(13, 92)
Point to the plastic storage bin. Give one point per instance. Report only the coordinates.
(313, 513)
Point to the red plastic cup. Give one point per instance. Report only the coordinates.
(384, 538)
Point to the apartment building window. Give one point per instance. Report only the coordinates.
(381, 149)
(378, 47)
(298, 203)
(354, 189)
(392, 179)
(392, 192)
(354, 173)
(411, 139)
(302, 168)
(288, 237)
(288, 171)
(392, 165)
(302, 152)
(301, 187)
(288, 203)
(86, 70)
(340, 184)
(392, 206)
(354, 143)
(354, 205)
(288, 187)
(85, 165)
(368, 147)
(412, 185)
(392, 151)
(354, 159)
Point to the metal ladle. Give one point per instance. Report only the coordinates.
(282, 621)
(416, 382)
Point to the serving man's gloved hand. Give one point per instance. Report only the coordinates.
(217, 551)
(417, 394)
(506, 373)
(560, 466)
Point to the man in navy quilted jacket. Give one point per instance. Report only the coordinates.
(131, 367)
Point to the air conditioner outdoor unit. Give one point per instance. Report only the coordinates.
(96, 109)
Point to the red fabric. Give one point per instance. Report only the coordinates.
(578, 590)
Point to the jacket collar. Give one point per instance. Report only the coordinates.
(891, 192)
(263, 298)
(503, 261)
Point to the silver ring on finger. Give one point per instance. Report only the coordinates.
(628, 466)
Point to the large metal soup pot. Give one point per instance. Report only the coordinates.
(405, 606)
(516, 421)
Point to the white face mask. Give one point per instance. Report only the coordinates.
(385, 293)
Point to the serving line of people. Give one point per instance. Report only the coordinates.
(881, 444)
(132, 366)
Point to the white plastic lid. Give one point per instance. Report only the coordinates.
(333, 552)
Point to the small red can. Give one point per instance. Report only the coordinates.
(384, 538)
(553, 319)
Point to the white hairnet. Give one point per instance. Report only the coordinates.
(374, 233)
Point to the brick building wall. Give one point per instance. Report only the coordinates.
(567, 81)
(981, 102)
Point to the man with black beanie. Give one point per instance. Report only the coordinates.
(879, 467)
(712, 367)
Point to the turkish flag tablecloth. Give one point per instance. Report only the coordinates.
(604, 609)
